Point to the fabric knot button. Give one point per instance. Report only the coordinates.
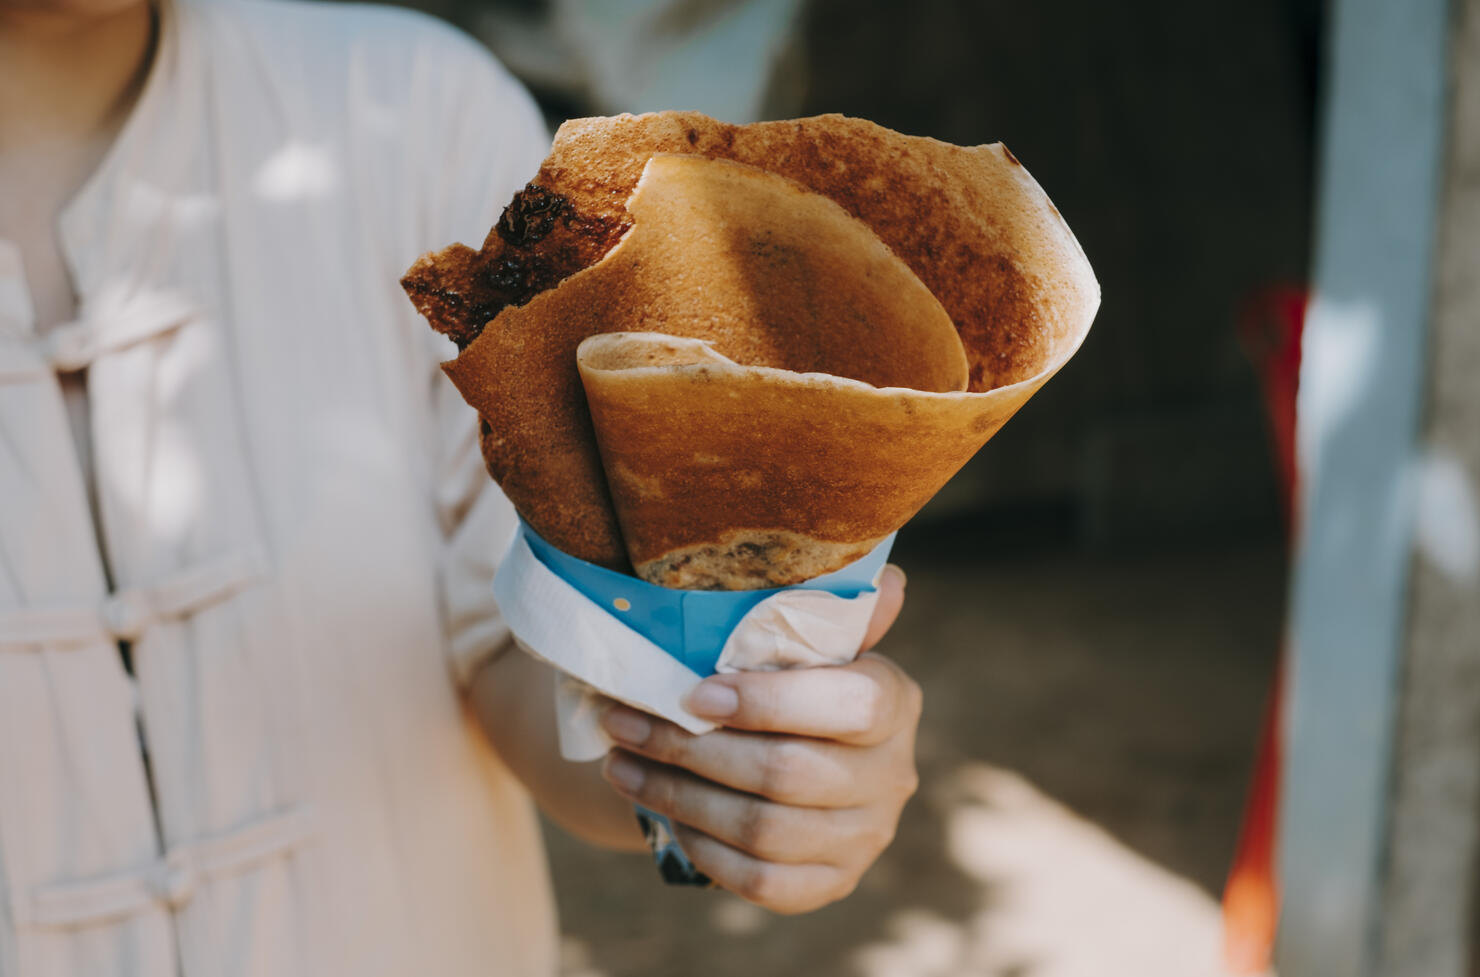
(125, 615)
(67, 348)
(175, 885)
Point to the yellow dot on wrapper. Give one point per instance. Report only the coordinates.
(622, 604)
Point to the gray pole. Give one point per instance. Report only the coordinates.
(1361, 392)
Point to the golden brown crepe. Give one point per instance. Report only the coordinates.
(993, 256)
(693, 441)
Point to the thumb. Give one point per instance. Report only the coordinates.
(891, 599)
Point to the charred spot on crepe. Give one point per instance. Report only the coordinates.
(541, 239)
(530, 215)
(514, 279)
(455, 304)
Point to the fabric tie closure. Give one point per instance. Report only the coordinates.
(127, 614)
(108, 324)
(172, 881)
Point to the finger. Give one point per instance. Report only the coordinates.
(759, 827)
(891, 599)
(864, 702)
(788, 769)
(781, 888)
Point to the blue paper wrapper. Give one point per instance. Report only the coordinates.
(692, 626)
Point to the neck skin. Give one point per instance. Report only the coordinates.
(71, 73)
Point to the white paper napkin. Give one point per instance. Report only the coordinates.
(598, 654)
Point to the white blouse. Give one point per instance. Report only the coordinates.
(296, 519)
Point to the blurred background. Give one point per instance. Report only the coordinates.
(1097, 602)
(1186, 176)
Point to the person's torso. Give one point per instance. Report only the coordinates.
(313, 800)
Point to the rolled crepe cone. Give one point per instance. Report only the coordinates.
(969, 224)
(735, 477)
(768, 272)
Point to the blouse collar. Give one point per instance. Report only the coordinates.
(103, 231)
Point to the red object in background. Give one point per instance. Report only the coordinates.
(1270, 327)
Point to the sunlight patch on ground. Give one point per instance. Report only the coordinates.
(575, 959)
(735, 916)
(1060, 897)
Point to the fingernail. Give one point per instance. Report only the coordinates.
(627, 726)
(713, 699)
(898, 571)
(624, 773)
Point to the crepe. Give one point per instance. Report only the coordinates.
(909, 265)
(693, 441)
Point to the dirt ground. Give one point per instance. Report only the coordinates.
(1088, 733)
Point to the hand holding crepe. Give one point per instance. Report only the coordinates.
(790, 336)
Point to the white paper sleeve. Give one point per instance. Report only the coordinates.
(598, 654)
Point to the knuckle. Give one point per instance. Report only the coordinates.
(815, 897)
(666, 746)
(759, 828)
(914, 699)
(805, 904)
(867, 838)
(761, 885)
(765, 701)
(909, 782)
(845, 887)
(879, 836)
(868, 707)
(785, 769)
(659, 792)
